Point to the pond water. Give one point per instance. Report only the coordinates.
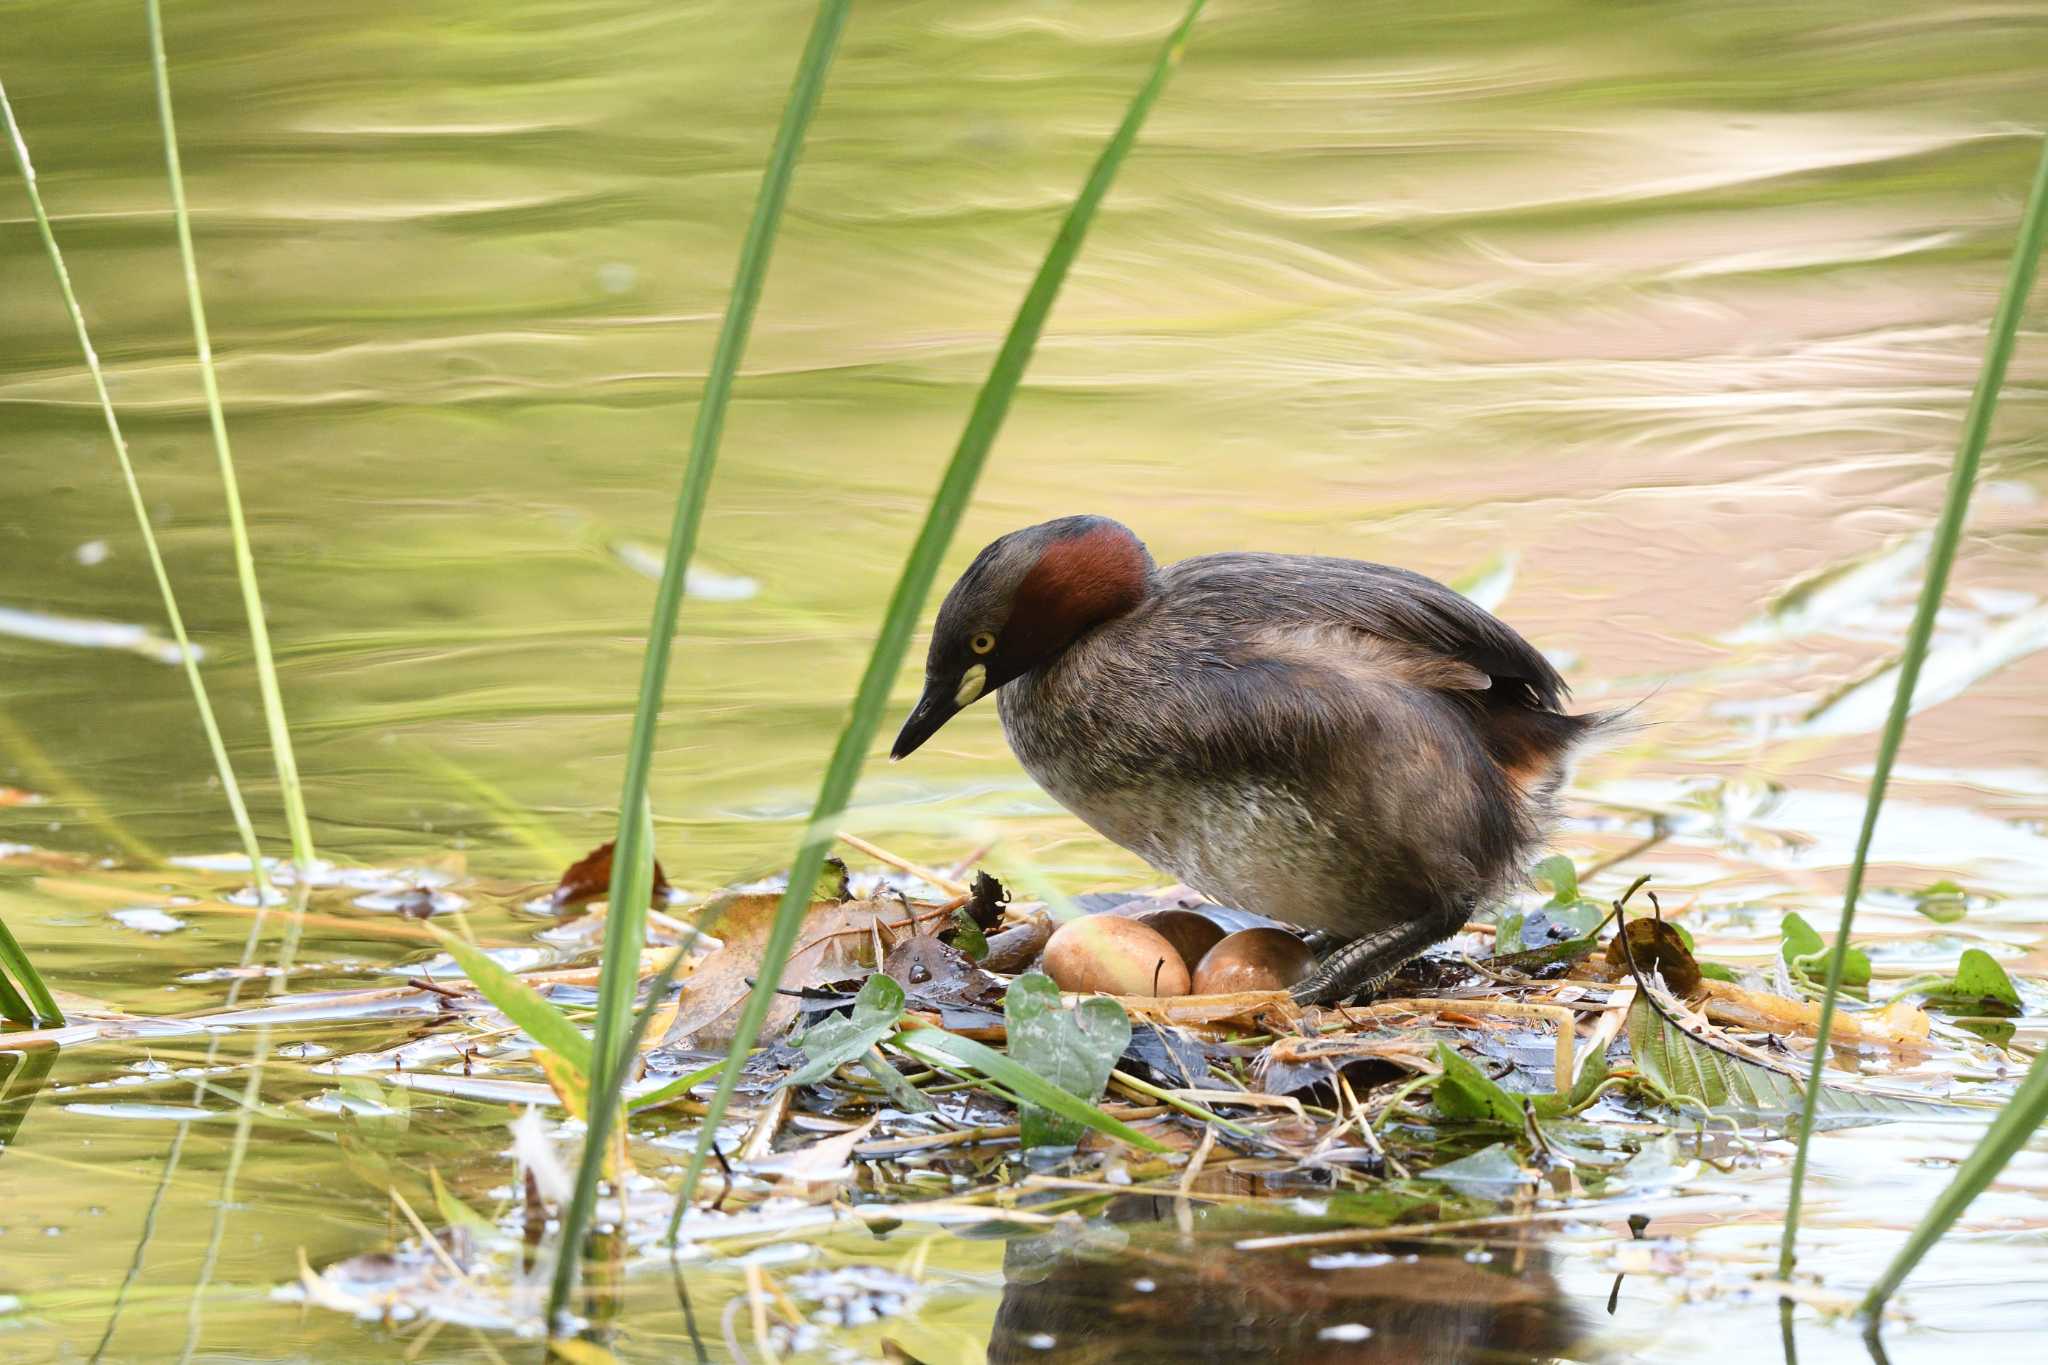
(1651, 324)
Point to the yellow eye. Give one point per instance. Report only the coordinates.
(982, 642)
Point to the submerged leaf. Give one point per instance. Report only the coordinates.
(826, 1161)
(1944, 902)
(831, 1043)
(1074, 1050)
(1491, 1172)
(454, 1212)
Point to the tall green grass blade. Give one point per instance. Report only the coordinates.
(1948, 533)
(628, 913)
(919, 571)
(14, 962)
(2015, 1125)
(13, 1007)
(176, 618)
(238, 529)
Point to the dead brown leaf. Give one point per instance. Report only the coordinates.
(832, 946)
(936, 975)
(1657, 947)
(589, 878)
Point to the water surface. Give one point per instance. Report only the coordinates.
(1652, 323)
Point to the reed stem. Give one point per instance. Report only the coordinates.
(245, 560)
(1948, 533)
(627, 914)
(176, 618)
(942, 519)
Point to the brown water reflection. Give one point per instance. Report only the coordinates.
(1136, 1284)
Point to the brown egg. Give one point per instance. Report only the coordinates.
(1191, 932)
(1114, 956)
(1253, 960)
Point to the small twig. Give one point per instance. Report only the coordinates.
(433, 1242)
(918, 870)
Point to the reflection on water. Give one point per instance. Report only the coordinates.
(1653, 325)
(1135, 1284)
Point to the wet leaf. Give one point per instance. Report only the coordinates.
(1655, 946)
(1801, 947)
(524, 1006)
(1074, 1050)
(1980, 986)
(937, 975)
(1507, 936)
(590, 879)
(1463, 1091)
(831, 1043)
(1557, 873)
(936, 1047)
(967, 936)
(1714, 1072)
(834, 882)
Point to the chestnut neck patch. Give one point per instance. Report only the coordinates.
(1079, 581)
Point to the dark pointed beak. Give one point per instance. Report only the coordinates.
(933, 710)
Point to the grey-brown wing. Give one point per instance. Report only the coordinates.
(1379, 600)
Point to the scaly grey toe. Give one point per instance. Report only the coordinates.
(1365, 964)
